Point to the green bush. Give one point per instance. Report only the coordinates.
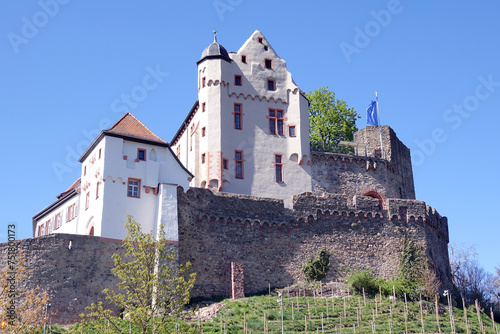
(358, 280)
(401, 286)
(315, 269)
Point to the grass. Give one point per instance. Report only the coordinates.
(349, 314)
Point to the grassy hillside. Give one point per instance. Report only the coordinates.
(326, 314)
(349, 314)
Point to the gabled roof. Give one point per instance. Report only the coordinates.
(129, 128)
(184, 124)
(75, 185)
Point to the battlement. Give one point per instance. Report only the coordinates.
(361, 232)
(250, 211)
(357, 174)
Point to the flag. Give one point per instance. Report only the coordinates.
(371, 114)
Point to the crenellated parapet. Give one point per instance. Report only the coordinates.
(384, 168)
(362, 232)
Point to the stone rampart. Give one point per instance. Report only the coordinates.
(272, 242)
(257, 238)
(73, 269)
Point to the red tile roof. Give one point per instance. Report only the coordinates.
(130, 126)
(75, 184)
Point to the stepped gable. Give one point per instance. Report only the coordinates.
(130, 126)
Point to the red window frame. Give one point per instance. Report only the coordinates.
(203, 158)
(203, 107)
(237, 80)
(57, 221)
(244, 59)
(47, 223)
(278, 168)
(130, 192)
(238, 165)
(271, 84)
(203, 131)
(178, 151)
(203, 82)
(276, 122)
(268, 63)
(143, 151)
(87, 200)
(238, 116)
(71, 212)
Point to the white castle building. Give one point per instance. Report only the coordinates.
(248, 133)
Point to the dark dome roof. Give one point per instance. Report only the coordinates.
(214, 50)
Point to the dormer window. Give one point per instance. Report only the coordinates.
(141, 154)
(268, 63)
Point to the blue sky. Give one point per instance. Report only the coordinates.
(67, 66)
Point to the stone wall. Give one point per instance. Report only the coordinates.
(233, 240)
(272, 242)
(73, 277)
(351, 175)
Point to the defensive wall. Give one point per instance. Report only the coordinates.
(271, 242)
(366, 171)
(267, 242)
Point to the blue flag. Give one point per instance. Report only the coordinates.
(371, 114)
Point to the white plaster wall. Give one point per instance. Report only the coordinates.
(117, 205)
(93, 175)
(68, 226)
(258, 146)
(167, 211)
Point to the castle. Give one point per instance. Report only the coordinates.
(241, 195)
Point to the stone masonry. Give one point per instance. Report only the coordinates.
(360, 209)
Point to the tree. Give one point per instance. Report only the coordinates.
(459, 256)
(330, 120)
(152, 286)
(21, 311)
(471, 282)
(315, 269)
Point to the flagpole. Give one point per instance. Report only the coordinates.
(379, 126)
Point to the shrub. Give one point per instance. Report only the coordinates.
(401, 287)
(358, 280)
(315, 269)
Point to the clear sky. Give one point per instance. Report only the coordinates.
(67, 67)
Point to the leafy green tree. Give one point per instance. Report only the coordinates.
(330, 120)
(316, 268)
(153, 288)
